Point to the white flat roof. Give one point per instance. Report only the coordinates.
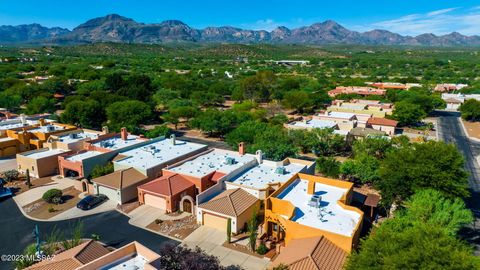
(116, 143)
(343, 115)
(43, 154)
(132, 261)
(260, 176)
(156, 153)
(213, 161)
(47, 128)
(75, 137)
(15, 123)
(314, 123)
(333, 218)
(84, 155)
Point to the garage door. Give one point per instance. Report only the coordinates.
(110, 193)
(216, 222)
(155, 201)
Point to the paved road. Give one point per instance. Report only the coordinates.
(450, 130)
(112, 227)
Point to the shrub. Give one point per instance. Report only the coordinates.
(158, 221)
(262, 249)
(99, 170)
(11, 175)
(51, 210)
(51, 195)
(158, 131)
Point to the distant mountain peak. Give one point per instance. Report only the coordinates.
(116, 28)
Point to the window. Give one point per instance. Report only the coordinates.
(33, 169)
(275, 227)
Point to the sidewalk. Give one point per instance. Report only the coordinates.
(211, 241)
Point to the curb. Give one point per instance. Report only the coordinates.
(466, 132)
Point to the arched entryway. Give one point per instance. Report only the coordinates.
(186, 204)
(84, 187)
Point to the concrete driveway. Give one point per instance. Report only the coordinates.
(144, 215)
(76, 213)
(8, 164)
(210, 240)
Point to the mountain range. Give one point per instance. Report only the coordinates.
(115, 28)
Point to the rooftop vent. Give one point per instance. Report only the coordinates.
(230, 160)
(280, 170)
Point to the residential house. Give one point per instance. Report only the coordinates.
(358, 90)
(455, 100)
(344, 120)
(152, 157)
(311, 206)
(97, 152)
(383, 124)
(232, 205)
(170, 192)
(40, 162)
(120, 186)
(72, 140)
(449, 87)
(203, 171)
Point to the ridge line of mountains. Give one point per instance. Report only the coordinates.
(115, 28)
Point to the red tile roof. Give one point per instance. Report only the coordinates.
(382, 122)
(316, 253)
(73, 258)
(167, 185)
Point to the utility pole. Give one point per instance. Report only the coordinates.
(36, 234)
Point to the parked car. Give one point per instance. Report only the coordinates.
(90, 201)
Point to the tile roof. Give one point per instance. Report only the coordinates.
(231, 202)
(73, 258)
(382, 122)
(315, 253)
(168, 185)
(121, 179)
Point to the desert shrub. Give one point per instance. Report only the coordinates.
(262, 249)
(10, 175)
(52, 195)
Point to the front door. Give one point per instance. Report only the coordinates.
(187, 206)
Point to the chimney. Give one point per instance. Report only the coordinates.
(173, 138)
(105, 130)
(42, 122)
(311, 187)
(124, 134)
(23, 118)
(259, 156)
(241, 148)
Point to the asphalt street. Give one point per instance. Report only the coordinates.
(112, 227)
(450, 131)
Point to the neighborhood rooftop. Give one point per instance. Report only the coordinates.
(223, 161)
(116, 143)
(313, 123)
(329, 217)
(158, 152)
(74, 137)
(47, 128)
(42, 153)
(83, 155)
(267, 173)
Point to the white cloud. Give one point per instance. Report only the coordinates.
(440, 11)
(439, 22)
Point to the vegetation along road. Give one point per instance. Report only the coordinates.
(451, 131)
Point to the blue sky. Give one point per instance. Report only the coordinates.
(406, 17)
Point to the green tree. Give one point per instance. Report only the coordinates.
(40, 105)
(470, 110)
(87, 114)
(128, 114)
(420, 237)
(407, 113)
(245, 132)
(275, 144)
(298, 100)
(328, 166)
(10, 102)
(432, 164)
(101, 170)
(158, 131)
